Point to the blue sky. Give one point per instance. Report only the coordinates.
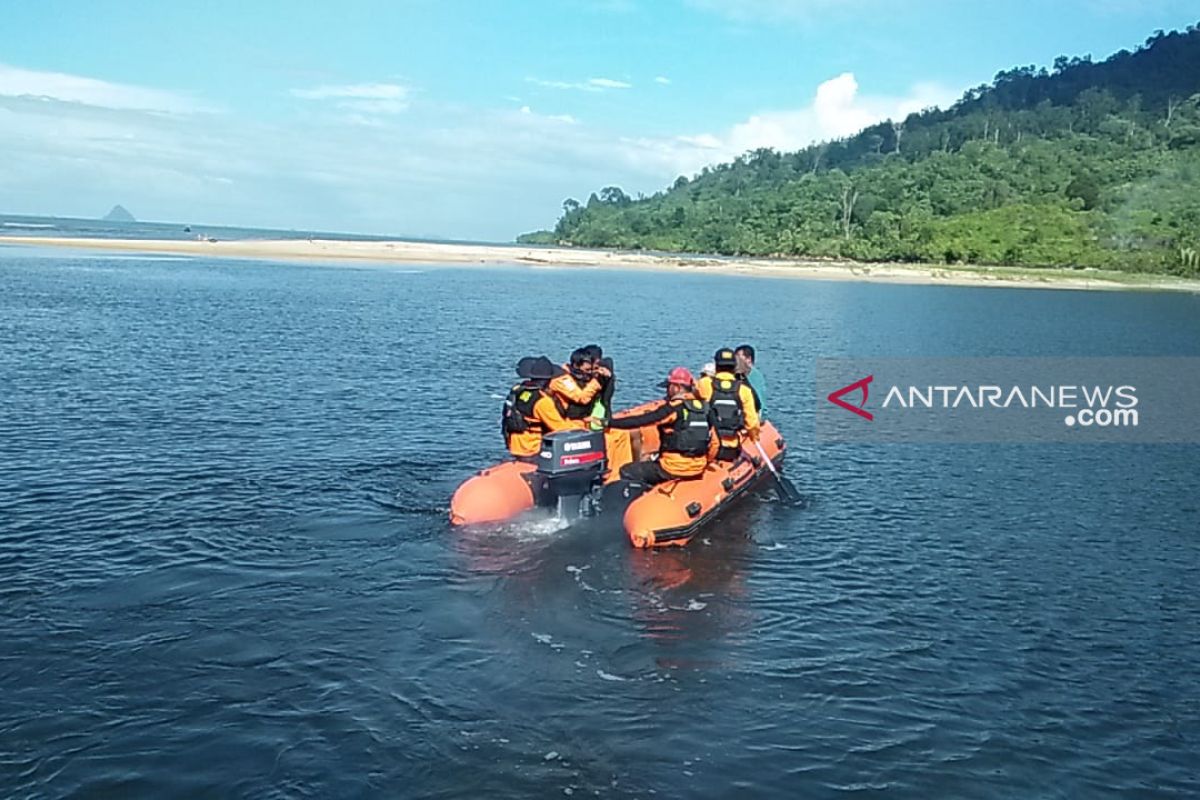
(474, 120)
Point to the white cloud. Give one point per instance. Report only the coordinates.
(590, 85)
(17, 82)
(567, 118)
(608, 83)
(837, 110)
(554, 84)
(445, 170)
(437, 170)
(663, 80)
(361, 98)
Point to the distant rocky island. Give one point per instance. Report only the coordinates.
(119, 214)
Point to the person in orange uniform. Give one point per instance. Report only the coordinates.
(603, 406)
(581, 387)
(733, 404)
(686, 431)
(530, 411)
(578, 385)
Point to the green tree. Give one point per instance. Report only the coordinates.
(1086, 164)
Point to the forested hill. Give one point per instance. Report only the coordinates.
(1082, 164)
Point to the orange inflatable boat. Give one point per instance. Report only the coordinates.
(573, 478)
(672, 512)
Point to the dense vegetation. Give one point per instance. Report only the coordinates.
(1085, 165)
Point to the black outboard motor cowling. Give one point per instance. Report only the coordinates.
(571, 464)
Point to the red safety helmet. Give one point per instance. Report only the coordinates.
(681, 376)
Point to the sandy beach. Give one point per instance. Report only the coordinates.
(433, 253)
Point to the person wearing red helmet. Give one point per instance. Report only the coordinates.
(686, 430)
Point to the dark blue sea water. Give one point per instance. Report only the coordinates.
(225, 567)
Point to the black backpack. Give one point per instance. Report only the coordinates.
(727, 405)
(517, 414)
(688, 434)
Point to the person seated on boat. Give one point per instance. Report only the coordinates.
(577, 385)
(530, 410)
(687, 436)
(753, 376)
(733, 404)
(619, 444)
(603, 372)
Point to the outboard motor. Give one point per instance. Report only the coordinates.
(571, 464)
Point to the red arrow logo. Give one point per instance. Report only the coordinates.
(835, 397)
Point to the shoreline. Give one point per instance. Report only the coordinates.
(431, 253)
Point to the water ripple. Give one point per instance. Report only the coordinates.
(225, 568)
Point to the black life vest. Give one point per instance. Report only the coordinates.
(727, 406)
(688, 432)
(517, 415)
(573, 410)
